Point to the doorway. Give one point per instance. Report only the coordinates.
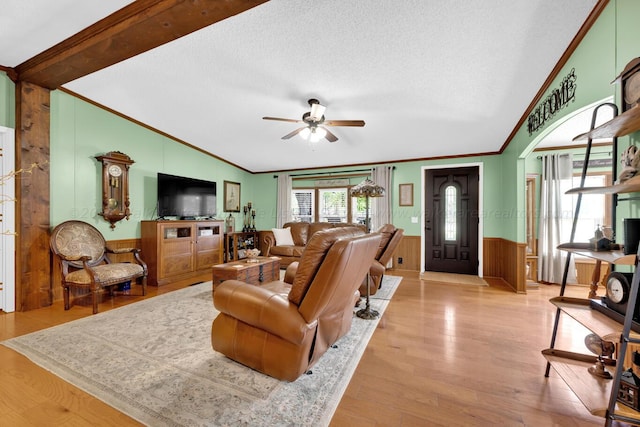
(451, 220)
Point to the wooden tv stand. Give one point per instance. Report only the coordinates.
(181, 252)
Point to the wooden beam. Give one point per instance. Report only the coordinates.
(134, 29)
(33, 259)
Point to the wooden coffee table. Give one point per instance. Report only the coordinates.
(265, 269)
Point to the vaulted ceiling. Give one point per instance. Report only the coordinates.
(429, 78)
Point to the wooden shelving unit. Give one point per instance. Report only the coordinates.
(621, 125)
(632, 185)
(580, 310)
(599, 395)
(592, 391)
(236, 243)
(612, 257)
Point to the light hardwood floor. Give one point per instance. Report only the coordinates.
(443, 355)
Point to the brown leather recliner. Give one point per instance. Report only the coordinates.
(282, 329)
(391, 237)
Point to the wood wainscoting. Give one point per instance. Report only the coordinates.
(585, 268)
(409, 251)
(506, 260)
(502, 259)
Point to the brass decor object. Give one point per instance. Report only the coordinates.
(600, 348)
(367, 189)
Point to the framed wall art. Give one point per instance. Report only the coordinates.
(406, 194)
(231, 196)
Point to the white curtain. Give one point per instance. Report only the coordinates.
(554, 229)
(284, 200)
(381, 206)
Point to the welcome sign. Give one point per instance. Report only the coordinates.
(557, 100)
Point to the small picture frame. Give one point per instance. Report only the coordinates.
(406, 194)
(231, 196)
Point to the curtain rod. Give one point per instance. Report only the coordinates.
(329, 173)
(583, 155)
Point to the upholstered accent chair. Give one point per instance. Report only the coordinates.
(282, 329)
(84, 262)
(391, 237)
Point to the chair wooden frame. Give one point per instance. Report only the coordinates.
(82, 253)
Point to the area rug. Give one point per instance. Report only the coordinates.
(153, 361)
(453, 278)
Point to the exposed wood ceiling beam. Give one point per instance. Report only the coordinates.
(136, 28)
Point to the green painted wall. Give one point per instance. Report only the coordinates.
(81, 131)
(406, 173)
(7, 102)
(606, 49)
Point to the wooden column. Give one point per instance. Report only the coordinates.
(33, 259)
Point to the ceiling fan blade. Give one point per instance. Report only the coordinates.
(294, 133)
(358, 123)
(283, 120)
(330, 136)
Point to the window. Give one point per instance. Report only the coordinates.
(327, 205)
(359, 210)
(303, 205)
(595, 209)
(333, 205)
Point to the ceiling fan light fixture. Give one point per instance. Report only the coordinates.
(314, 129)
(317, 134)
(304, 133)
(317, 111)
(312, 133)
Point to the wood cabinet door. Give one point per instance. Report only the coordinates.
(208, 240)
(176, 249)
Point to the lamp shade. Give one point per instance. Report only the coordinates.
(304, 133)
(317, 134)
(367, 188)
(312, 133)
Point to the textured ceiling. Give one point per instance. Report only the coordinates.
(429, 78)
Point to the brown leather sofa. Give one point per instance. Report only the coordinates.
(282, 329)
(301, 232)
(391, 237)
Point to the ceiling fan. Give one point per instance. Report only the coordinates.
(314, 129)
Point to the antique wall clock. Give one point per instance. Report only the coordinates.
(115, 186)
(630, 84)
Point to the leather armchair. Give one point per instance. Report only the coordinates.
(282, 329)
(391, 237)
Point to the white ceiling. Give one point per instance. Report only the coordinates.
(430, 78)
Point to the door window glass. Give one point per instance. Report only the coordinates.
(450, 202)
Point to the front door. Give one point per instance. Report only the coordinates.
(451, 220)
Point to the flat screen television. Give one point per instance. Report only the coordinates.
(185, 198)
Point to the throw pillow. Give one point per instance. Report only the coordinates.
(283, 236)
